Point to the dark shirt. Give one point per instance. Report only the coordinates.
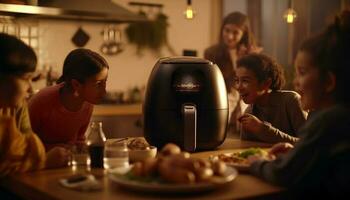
(320, 161)
(282, 118)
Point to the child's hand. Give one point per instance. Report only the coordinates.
(8, 122)
(57, 157)
(254, 158)
(280, 148)
(7, 112)
(250, 123)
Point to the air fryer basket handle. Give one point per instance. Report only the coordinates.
(190, 127)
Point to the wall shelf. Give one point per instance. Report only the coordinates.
(119, 15)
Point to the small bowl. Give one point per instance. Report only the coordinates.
(140, 155)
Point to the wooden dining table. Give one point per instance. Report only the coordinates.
(44, 184)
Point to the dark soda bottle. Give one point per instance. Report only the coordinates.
(96, 141)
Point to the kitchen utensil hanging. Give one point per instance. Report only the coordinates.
(80, 38)
(112, 42)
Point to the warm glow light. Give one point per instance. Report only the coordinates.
(290, 18)
(290, 15)
(189, 13)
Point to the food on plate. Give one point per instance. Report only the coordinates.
(146, 168)
(241, 158)
(170, 149)
(140, 150)
(252, 152)
(138, 144)
(219, 168)
(174, 166)
(232, 159)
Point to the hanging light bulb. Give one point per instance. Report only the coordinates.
(290, 14)
(189, 13)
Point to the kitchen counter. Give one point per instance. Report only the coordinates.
(117, 109)
(119, 120)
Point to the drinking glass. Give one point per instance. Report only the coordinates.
(115, 154)
(80, 155)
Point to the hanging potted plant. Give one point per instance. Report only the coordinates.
(151, 34)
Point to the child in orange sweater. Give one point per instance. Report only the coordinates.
(20, 149)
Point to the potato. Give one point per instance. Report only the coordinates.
(202, 162)
(137, 169)
(178, 167)
(193, 163)
(219, 168)
(203, 173)
(175, 174)
(185, 154)
(170, 149)
(150, 166)
(182, 162)
(181, 155)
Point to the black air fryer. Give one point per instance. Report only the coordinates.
(185, 104)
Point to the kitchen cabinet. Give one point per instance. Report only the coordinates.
(120, 120)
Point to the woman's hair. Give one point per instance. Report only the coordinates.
(221, 55)
(242, 21)
(16, 57)
(330, 52)
(80, 64)
(264, 68)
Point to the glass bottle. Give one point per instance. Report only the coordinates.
(96, 141)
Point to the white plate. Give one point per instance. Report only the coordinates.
(117, 176)
(239, 167)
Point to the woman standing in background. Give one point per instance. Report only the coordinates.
(236, 39)
(60, 114)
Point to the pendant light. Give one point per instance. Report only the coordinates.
(189, 13)
(290, 14)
